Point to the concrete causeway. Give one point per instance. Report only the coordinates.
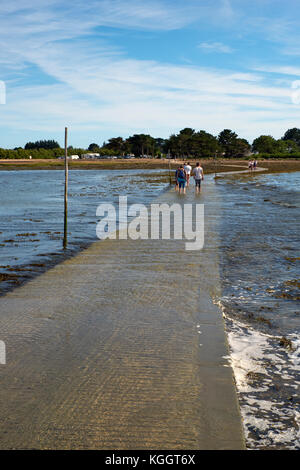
(121, 347)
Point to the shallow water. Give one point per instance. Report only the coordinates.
(259, 268)
(260, 257)
(31, 213)
(104, 353)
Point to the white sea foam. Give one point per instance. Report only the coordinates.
(266, 422)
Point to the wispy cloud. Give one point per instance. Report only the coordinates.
(215, 47)
(95, 84)
(279, 69)
(227, 10)
(130, 95)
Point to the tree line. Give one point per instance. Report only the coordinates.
(188, 143)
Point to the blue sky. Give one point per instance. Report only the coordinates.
(108, 68)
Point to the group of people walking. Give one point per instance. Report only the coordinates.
(183, 174)
(252, 165)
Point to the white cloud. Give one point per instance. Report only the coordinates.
(227, 10)
(279, 70)
(215, 47)
(98, 87)
(123, 96)
(70, 19)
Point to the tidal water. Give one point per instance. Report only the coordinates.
(104, 352)
(32, 213)
(259, 263)
(259, 256)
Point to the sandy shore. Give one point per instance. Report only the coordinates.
(209, 165)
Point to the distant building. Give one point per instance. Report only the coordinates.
(90, 156)
(71, 157)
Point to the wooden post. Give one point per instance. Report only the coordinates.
(169, 167)
(66, 191)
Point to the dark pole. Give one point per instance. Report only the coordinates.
(66, 191)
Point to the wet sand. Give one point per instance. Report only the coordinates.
(210, 165)
(103, 352)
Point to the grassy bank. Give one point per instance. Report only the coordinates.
(209, 165)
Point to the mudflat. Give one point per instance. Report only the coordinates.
(210, 165)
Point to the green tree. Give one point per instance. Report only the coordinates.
(265, 144)
(141, 143)
(242, 148)
(171, 145)
(228, 141)
(203, 144)
(42, 144)
(185, 141)
(93, 148)
(292, 134)
(116, 144)
(189, 143)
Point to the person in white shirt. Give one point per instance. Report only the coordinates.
(198, 177)
(188, 170)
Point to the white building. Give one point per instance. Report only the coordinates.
(71, 157)
(90, 156)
